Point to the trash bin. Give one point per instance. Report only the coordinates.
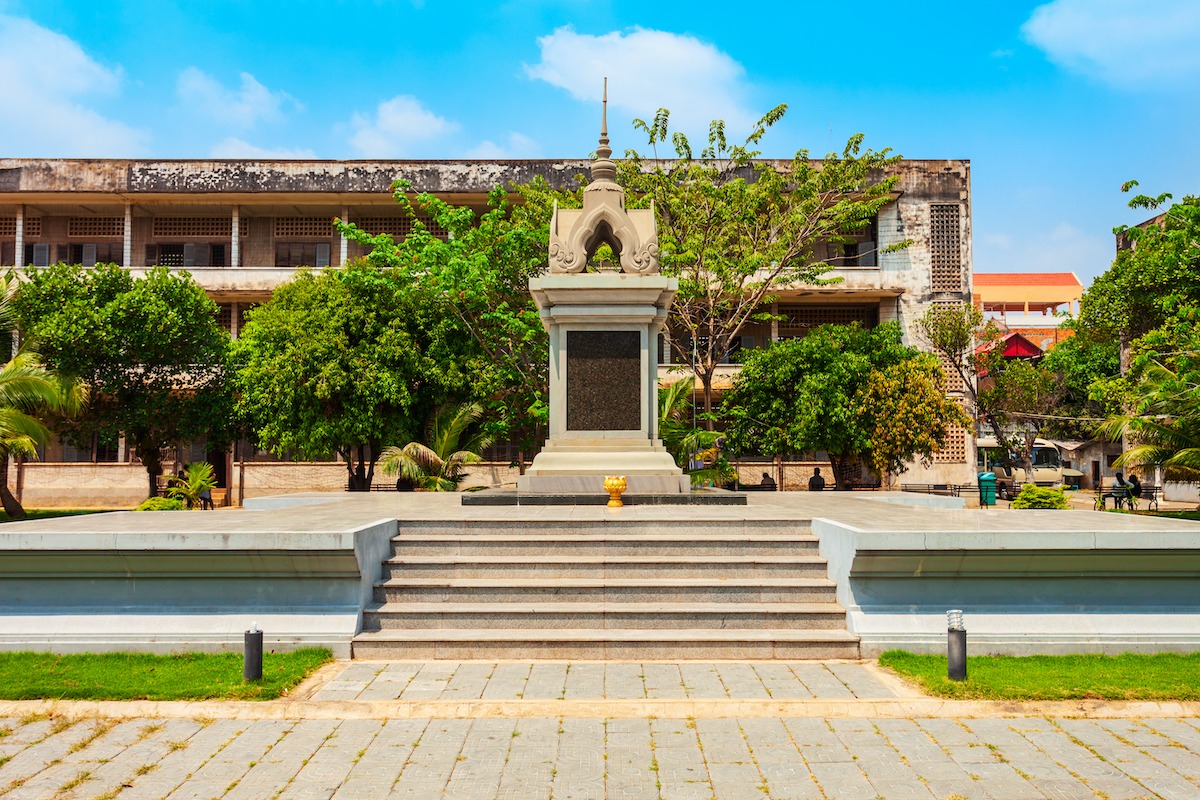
(987, 489)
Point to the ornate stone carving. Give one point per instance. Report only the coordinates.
(575, 234)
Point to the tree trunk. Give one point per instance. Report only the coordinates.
(706, 380)
(151, 459)
(358, 474)
(12, 506)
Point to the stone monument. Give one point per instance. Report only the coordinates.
(604, 330)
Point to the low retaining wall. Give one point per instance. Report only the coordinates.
(1023, 591)
(152, 583)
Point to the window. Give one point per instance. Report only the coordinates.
(945, 248)
(89, 255)
(190, 254)
(302, 254)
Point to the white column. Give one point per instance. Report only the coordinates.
(345, 251)
(235, 237)
(775, 322)
(20, 254)
(235, 329)
(127, 258)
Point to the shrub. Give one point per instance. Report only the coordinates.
(1032, 496)
(160, 504)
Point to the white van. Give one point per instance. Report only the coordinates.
(1047, 465)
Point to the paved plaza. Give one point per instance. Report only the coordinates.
(347, 734)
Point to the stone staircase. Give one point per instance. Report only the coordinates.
(610, 589)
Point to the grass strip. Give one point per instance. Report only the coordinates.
(140, 676)
(1132, 676)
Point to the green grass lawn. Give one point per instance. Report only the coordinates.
(1126, 677)
(1192, 515)
(138, 676)
(49, 513)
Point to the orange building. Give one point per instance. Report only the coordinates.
(1032, 304)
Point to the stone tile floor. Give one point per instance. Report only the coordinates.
(560, 758)
(481, 680)
(331, 751)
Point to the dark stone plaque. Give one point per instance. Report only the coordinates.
(604, 380)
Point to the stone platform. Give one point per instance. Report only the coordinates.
(871, 570)
(514, 497)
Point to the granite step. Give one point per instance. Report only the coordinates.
(743, 544)
(611, 643)
(558, 566)
(537, 524)
(610, 590)
(590, 616)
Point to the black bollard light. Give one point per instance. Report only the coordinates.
(956, 646)
(252, 656)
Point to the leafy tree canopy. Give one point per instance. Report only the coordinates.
(833, 391)
(344, 361)
(149, 349)
(734, 231)
(476, 277)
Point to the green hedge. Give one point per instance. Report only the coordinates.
(1032, 496)
(160, 504)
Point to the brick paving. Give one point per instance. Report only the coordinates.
(338, 746)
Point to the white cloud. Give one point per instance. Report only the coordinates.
(1061, 248)
(47, 79)
(243, 107)
(518, 146)
(399, 128)
(237, 148)
(1126, 44)
(648, 70)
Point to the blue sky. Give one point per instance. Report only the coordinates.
(1055, 103)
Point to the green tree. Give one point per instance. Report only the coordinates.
(1076, 364)
(734, 230)
(1164, 421)
(1152, 284)
(475, 275)
(688, 444)
(342, 362)
(453, 441)
(822, 392)
(911, 413)
(148, 349)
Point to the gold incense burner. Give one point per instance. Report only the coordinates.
(614, 485)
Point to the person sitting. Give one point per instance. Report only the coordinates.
(1135, 486)
(816, 483)
(767, 484)
(1120, 490)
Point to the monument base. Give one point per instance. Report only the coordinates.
(579, 466)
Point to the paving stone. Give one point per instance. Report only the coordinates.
(532, 755)
(481, 763)
(468, 682)
(546, 681)
(430, 681)
(663, 681)
(821, 682)
(380, 765)
(584, 681)
(722, 742)
(233, 761)
(280, 764)
(781, 682)
(431, 762)
(701, 681)
(860, 681)
(184, 757)
(842, 779)
(580, 763)
(75, 768)
(624, 682)
(742, 682)
(507, 682)
(809, 731)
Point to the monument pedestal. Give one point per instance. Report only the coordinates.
(603, 384)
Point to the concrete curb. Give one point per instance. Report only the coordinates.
(900, 708)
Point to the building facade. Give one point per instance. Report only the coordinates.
(242, 228)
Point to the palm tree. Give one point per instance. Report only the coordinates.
(1165, 424)
(197, 478)
(452, 441)
(686, 443)
(27, 389)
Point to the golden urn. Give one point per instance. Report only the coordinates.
(614, 485)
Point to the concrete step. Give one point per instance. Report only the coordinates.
(610, 590)
(558, 566)
(590, 616)
(742, 544)
(612, 643)
(694, 528)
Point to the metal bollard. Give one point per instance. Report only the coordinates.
(253, 654)
(956, 646)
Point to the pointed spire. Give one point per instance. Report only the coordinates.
(603, 169)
